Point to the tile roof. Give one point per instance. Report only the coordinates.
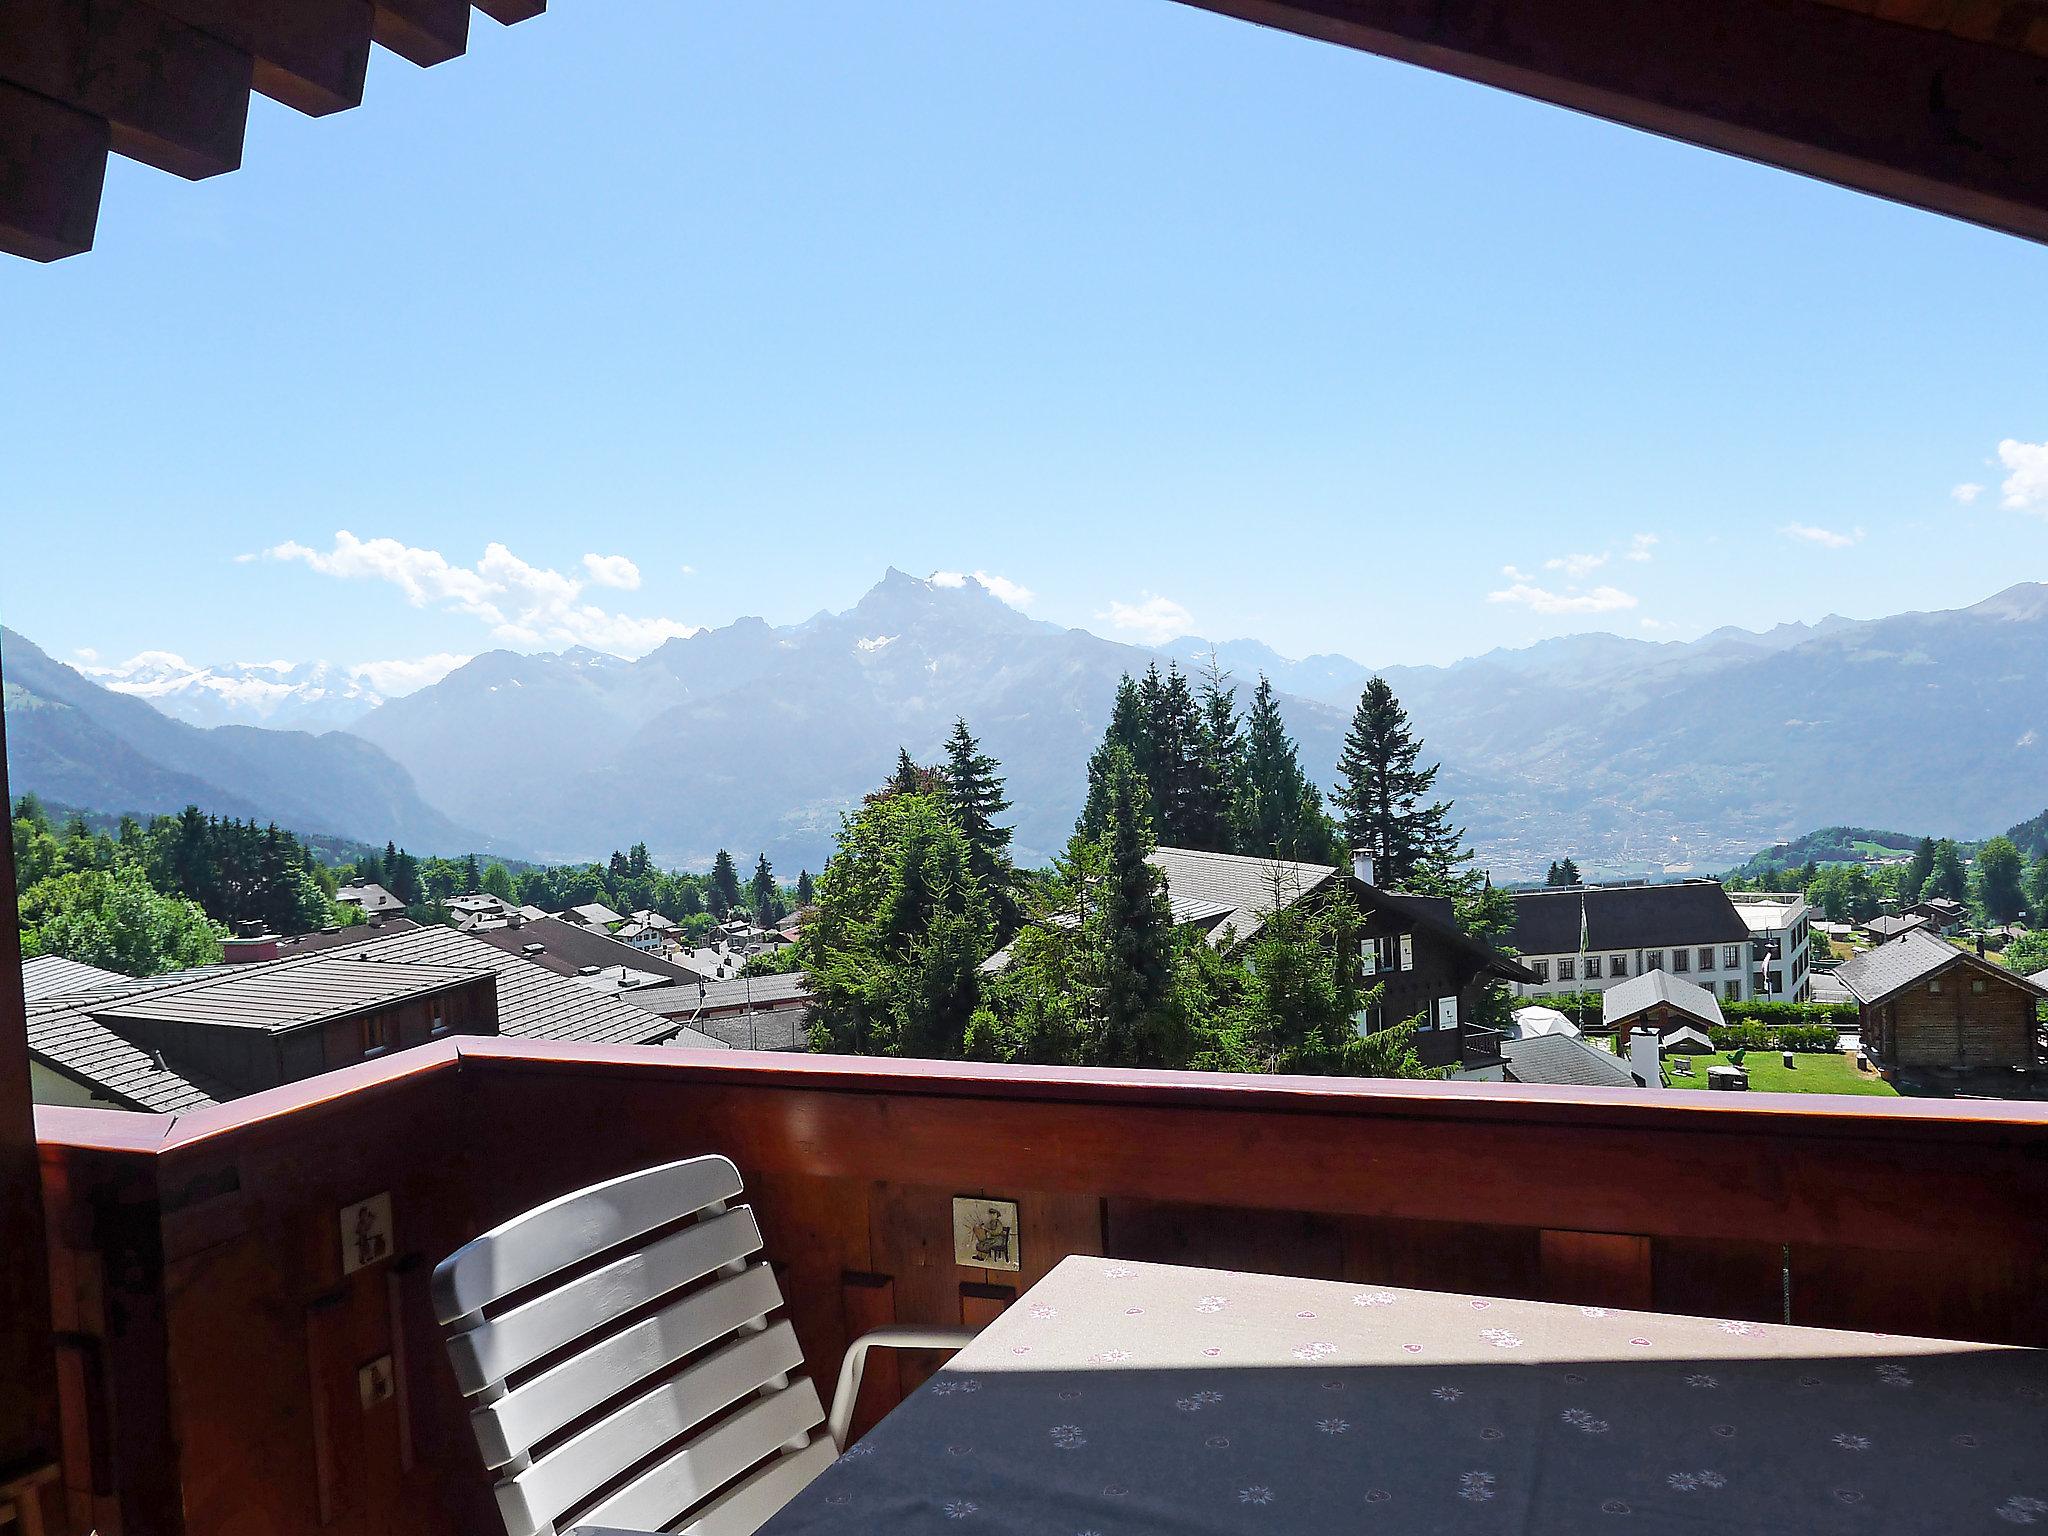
(370, 896)
(341, 936)
(53, 975)
(596, 913)
(288, 994)
(1564, 1059)
(67, 1035)
(1882, 928)
(566, 948)
(1688, 912)
(1639, 994)
(1915, 956)
(1232, 891)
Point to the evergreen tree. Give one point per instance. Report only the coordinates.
(806, 892)
(1384, 799)
(1125, 733)
(725, 885)
(974, 792)
(763, 894)
(1562, 872)
(1279, 813)
(1915, 879)
(1948, 878)
(1222, 751)
(1134, 915)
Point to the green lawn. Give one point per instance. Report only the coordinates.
(1813, 1072)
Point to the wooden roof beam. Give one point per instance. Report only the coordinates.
(310, 55)
(1932, 118)
(173, 96)
(53, 162)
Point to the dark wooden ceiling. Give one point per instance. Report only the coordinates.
(1942, 104)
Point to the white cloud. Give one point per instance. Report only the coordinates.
(1514, 574)
(1152, 620)
(1967, 492)
(522, 604)
(613, 571)
(687, 570)
(1658, 624)
(87, 654)
(1013, 593)
(394, 679)
(1576, 566)
(2026, 487)
(1541, 600)
(1826, 538)
(1639, 547)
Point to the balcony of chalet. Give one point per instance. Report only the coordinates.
(216, 1349)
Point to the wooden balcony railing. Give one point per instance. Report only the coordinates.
(213, 1349)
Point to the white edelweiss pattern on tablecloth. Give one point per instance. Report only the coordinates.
(1154, 1398)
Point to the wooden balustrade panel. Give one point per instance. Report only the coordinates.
(201, 1265)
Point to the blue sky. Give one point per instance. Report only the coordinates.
(1154, 315)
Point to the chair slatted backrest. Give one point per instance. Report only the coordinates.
(617, 1347)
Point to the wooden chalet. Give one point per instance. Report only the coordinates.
(1938, 1018)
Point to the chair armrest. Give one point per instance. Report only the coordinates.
(895, 1336)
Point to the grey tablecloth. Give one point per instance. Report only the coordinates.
(1115, 1398)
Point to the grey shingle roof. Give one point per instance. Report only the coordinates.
(1232, 891)
(1891, 927)
(66, 1035)
(1626, 917)
(1621, 1003)
(72, 1043)
(285, 994)
(533, 1003)
(371, 897)
(568, 947)
(1915, 956)
(1565, 1060)
(53, 975)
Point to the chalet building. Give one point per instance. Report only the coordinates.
(371, 898)
(1936, 1019)
(1943, 914)
(1780, 936)
(1680, 1014)
(572, 950)
(1882, 930)
(1411, 946)
(593, 914)
(1587, 938)
(200, 1037)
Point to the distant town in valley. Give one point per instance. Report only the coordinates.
(1194, 856)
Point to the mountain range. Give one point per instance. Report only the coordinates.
(300, 696)
(1634, 756)
(77, 743)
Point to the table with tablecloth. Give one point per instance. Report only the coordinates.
(1118, 1397)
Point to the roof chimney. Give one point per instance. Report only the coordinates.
(246, 948)
(1644, 1059)
(1362, 866)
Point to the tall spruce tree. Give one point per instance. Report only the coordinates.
(1125, 733)
(1915, 878)
(1385, 797)
(974, 792)
(1279, 812)
(761, 892)
(806, 892)
(1222, 753)
(725, 885)
(1136, 921)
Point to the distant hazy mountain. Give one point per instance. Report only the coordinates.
(756, 738)
(1631, 755)
(300, 696)
(78, 743)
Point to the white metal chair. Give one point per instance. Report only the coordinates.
(638, 1384)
